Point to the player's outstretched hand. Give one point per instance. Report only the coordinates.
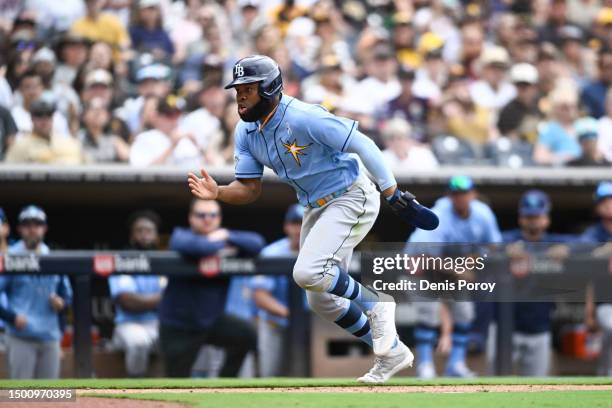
(205, 188)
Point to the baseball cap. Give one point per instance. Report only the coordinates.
(405, 72)
(44, 55)
(495, 55)
(32, 213)
(430, 44)
(294, 213)
(153, 71)
(171, 105)
(148, 3)
(603, 190)
(534, 202)
(330, 62)
(570, 33)
(98, 76)
(383, 52)
(2, 216)
(41, 107)
(460, 184)
(524, 73)
(248, 3)
(586, 128)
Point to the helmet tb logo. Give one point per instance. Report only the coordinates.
(238, 70)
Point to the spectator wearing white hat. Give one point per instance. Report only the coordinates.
(153, 81)
(66, 99)
(493, 91)
(586, 131)
(519, 119)
(402, 152)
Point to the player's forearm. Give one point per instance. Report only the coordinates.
(264, 300)
(374, 161)
(133, 302)
(240, 192)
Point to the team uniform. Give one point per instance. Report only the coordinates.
(532, 340)
(598, 234)
(136, 333)
(34, 351)
(480, 227)
(271, 329)
(308, 148)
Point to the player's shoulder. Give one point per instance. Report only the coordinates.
(481, 208)
(511, 235)
(277, 248)
(298, 109)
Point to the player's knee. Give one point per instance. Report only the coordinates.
(301, 275)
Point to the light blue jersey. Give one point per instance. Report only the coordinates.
(142, 285)
(304, 144)
(480, 227)
(277, 285)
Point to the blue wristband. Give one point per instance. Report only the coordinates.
(393, 197)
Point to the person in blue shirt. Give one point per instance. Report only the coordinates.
(531, 340)
(593, 95)
(599, 314)
(557, 141)
(192, 310)
(34, 304)
(271, 296)
(136, 299)
(308, 148)
(463, 220)
(148, 34)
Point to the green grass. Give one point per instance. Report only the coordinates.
(112, 383)
(573, 399)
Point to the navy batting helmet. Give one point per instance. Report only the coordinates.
(261, 69)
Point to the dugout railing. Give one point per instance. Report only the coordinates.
(81, 266)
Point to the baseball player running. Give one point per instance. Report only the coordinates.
(308, 148)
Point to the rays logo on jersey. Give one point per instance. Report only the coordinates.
(293, 148)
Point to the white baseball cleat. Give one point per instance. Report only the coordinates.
(385, 367)
(460, 370)
(382, 324)
(426, 371)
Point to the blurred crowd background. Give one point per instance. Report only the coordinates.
(433, 82)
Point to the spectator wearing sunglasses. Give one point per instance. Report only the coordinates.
(192, 310)
(42, 144)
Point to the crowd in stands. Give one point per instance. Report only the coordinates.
(434, 82)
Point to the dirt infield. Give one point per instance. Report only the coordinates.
(362, 389)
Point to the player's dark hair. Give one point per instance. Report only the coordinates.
(146, 214)
(29, 73)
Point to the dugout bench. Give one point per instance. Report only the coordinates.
(82, 265)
